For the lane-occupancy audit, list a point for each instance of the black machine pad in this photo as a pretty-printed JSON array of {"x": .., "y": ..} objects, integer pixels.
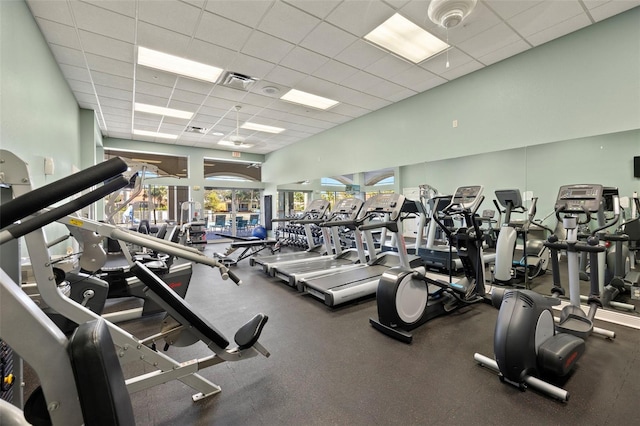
[
  {"x": 101, "y": 387},
  {"x": 249, "y": 333},
  {"x": 559, "y": 353},
  {"x": 179, "y": 305}
]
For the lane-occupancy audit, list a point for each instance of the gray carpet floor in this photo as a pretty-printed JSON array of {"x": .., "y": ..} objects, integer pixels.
[{"x": 330, "y": 367}]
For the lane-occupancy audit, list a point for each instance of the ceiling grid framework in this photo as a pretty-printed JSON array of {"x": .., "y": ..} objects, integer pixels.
[{"x": 315, "y": 46}]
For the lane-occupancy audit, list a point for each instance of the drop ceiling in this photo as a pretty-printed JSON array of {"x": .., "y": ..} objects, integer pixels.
[{"x": 314, "y": 46}]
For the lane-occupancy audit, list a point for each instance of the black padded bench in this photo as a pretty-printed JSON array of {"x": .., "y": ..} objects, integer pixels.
[{"x": 182, "y": 312}]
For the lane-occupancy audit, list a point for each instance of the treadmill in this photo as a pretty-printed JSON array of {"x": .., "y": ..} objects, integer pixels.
[
  {"x": 344, "y": 214},
  {"x": 381, "y": 211},
  {"x": 316, "y": 212}
]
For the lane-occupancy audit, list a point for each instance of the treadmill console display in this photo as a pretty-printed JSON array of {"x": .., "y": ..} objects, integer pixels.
[
  {"x": 579, "y": 198},
  {"x": 318, "y": 207},
  {"x": 467, "y": 196},
  {"x": 348, "y": 207},
  {"x": 385, "y": 203}
]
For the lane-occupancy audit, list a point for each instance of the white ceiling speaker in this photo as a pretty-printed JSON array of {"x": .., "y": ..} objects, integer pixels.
[{"x": 450, "y": 13}]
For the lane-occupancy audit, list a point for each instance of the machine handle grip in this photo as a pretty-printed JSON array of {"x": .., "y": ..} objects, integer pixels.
[
  {"x": 575, "y": 247},
  {"x": 233, "y": 277},
  {"x": 31, "y": 202},
  {"x": 17, "y": 230},
  {"x": 338, "y": 223},
  {"x": 391, "y": 225}
]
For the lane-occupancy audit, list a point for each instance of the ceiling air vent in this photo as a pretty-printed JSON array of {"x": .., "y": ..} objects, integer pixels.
[
  {"x": 194, "y": 129},
  {"x": 238, "y": 81}
]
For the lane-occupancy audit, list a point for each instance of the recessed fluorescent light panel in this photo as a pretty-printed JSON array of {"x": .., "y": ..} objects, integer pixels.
[
  {"x": 177, "y": 65},
  {"x": 262, "y": 128},
  {"x": 154, "y": 134},
  {"x": 235, "y": 144},
  {"x": 402, "y": 37},
  {"x": 169, "y": 112},
  {"x": 304, "y": 98}
]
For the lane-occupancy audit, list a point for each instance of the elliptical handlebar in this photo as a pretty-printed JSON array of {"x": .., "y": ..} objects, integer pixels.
[{"x": 468, "y": 215}]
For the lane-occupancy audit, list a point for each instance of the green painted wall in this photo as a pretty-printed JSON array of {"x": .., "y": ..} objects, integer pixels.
[
  {"x": 39, "y": 117},
  {"x": 581, "y": 85}
]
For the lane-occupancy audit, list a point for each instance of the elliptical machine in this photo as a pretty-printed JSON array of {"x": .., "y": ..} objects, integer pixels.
[
  {"x": 407, "y": 299},
  {"x": 535, "y": 257},
  {"x": 527, "y": 343}
]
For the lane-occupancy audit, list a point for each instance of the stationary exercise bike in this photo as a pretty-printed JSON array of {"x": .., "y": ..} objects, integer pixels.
[
  {"x": 527, "y": 343},
  {"x": 407, "y": 299},
  {"x": 535, "y": 257}
]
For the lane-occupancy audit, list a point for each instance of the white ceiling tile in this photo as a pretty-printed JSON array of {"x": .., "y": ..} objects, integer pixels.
[
  {"x": 335, "y": 71},
  {"x": 210, "y": 54},
  {"x": 563, "y": 28},
  {"x": 227, "y": 93},
  {"x": 285, "y": 76},
  {"x": 416, "y": 12},
  {"x": 157, "y": 38},
  {"x": 118, "y": 112},
  {"x": 164, "y": 92},
  {"x": 362, "y": 81},
  {"x": 59, "y": 34},
  {"x": 102, "y": 21},
  {"x": 220, "y": 31},
  {"x": 175, "y": 16},
  {"x": 196, "y": 86},
  {"x": 544, "y": 15},
  {"x": 303, "y": 60},
  {"x": 360, "y": 17},
  {"x": 328, "y": 40},
  {"x": 388, "y": 66},
  {"x": 52, "y": 11},
  {"x": 110, "y": 66},
  {"x": 157, "y": 77},
  {"x": 318, "y": 8},
  {"x": 389, "y": 91},
  {"x": 504, "y": 52},
  {"x": 111, "y": 92},
  {"x": 250, "y": 66},
  {"x": 493, "y": 39},
  {"x": 438, "y": 64},
  {"x": 267, "y": 47},
  {"x": 361, "y": 99},
  {"x": 360, "y": 54},
  {"x": 287, "y": 23},
  {"x": 206, "y": 111},
  {"x": 399, "y": 94},
  {"x": 260, "y": 101},
  {"x": 217, "y": 103},
  {"x": 190, "y": 97},
  {"x": 75, "y": 73},
  {"x": 81, "y": 86},
  {"x": 349, "y": 110},
  {"x": 106, "y": 46},
  {"x": 112, "y": 80},
  {"x": 508, "y": 9},
  {"x": 127, "y": 8},
  {"x": 602, "y": 11},
  {"x": 144, "y": 98},
  {"x": 116, "y": 103},
  {"x": 247, "y": 12},
  {"x": 65, "y": 55},
  {"x": 413, "y": 78},
  {"x": 463, "y": 69},
  {"x": 85, "y": 97}
]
